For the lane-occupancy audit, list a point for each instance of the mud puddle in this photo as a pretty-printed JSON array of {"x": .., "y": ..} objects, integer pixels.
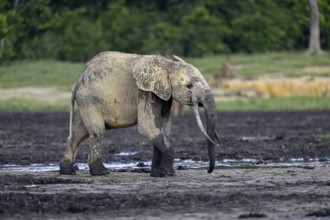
[
  {"x": 179, "y": 164},
  {"x": 264, "y": 170}
]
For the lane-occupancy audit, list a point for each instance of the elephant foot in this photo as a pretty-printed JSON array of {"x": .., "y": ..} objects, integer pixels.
[
  {"x": 168, "y": 171},
  {"x": 156, "y": 173},
  {"x": 67, "y": 167},
  {"x": 162, "y": 172},
  {"x": 96, "y": 168}
]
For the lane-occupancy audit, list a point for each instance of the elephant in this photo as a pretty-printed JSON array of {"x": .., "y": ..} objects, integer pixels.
[{"x": 117, "y": 90}]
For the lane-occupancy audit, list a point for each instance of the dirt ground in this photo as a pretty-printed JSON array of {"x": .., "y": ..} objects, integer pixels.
[{"x": 232, "y": 193}]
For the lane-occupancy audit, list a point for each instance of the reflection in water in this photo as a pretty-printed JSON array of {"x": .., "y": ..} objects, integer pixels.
[{"x": 246, "y": 163}]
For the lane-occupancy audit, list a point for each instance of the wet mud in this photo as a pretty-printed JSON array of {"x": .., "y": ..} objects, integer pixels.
[{"x": 228, "y": 193}]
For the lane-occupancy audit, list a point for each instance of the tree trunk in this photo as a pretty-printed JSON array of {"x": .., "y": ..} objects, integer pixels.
[
  {"x": 314, "y": 37},
  {"x": 2, "y": 45},
  {"x": 177, "y": 109}
]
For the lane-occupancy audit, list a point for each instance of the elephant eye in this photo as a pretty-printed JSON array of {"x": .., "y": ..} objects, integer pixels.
[{"x": 189, "y": 86}]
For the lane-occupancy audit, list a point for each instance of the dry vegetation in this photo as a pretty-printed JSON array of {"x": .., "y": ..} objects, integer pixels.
[{"x": 279, "y": 87}]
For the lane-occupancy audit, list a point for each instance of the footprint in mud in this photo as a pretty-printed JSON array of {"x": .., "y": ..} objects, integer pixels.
[
  {"x": 320, "y": 213},
  {"x": 31, "y": 180},
  {"x": 253, "y": 215}
]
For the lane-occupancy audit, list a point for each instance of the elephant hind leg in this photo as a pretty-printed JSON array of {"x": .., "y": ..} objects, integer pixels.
[
  {"x": 80, "y": 133},
  {"x": 94, "y": 123},
  {"x": 95, "y": 164}
]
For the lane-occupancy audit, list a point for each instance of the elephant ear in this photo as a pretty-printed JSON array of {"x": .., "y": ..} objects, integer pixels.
[{"x": 151, "y": 75}]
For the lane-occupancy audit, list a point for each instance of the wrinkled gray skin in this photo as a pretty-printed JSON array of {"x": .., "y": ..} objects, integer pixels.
[{"x": 117, "y": 90}]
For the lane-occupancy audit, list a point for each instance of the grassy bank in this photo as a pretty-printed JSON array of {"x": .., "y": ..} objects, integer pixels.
[
  {"x": 31, "y": 105},
  {"x": 287, "y": 64},
  {"x": 62, "y": 75},
  {"x": 39, "y": 73}
]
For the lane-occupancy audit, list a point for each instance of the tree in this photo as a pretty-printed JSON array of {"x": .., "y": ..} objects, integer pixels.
[
  {"x": 314, "y": 37},
  {"x": 163, "y": 39},
  {"x": 76, "y": 30},
  {"x": 3, "y": 32},
  {"x": 202, "y": 33}
]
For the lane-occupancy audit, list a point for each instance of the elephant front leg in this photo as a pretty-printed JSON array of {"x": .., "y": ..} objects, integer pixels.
[
  {"x": 156, "y": 161},
  {"x": 154, "y": 124},
  {"x": 163, "y": 158}
]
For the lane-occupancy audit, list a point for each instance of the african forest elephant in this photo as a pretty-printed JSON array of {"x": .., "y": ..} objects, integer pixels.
[{"x": 117, "y": 90}]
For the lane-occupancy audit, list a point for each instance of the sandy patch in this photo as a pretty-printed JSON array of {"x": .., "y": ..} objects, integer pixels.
[{"x": 50, "y": 94}]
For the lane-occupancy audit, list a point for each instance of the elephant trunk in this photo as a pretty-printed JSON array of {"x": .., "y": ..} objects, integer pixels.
[{"x": 207, "y": 100}]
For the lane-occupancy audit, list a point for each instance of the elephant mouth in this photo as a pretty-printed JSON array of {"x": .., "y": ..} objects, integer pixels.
[{"x": 192, "y": 100}]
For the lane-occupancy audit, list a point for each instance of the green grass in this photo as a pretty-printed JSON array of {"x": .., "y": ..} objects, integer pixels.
[
  {"x": 289, "y": 64},
  {"x": 48, "y": 73},
  {"x": 39, "y": 73},
  {"x": 64, "y": 74},
  {"x": 30, "y": 105},
  {"x": 324, "y": 136}
]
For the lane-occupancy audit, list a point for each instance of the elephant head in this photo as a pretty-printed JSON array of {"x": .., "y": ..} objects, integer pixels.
[{"x": 182, "y": 81}]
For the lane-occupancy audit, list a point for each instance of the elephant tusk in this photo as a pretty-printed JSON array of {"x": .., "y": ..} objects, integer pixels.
[
  {"x": 218, "y": 137},
  {"x": 200, "y": 124}
]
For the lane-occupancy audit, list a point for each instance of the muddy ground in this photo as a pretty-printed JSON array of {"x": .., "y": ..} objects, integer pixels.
[{"x": 237, "y": 192}]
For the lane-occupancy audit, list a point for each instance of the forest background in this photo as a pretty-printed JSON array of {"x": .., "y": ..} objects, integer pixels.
[
  {"x": 76, "y": 30},
  {"x": 258, "y": 49}
]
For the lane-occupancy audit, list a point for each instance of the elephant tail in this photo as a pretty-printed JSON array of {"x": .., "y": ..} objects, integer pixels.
[{"x": 73, "y": 98}]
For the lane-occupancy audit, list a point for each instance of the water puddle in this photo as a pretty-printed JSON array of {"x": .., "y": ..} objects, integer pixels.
[
  {"x": 127, "y": 153},
  {"x": 185, "y": 164}
]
